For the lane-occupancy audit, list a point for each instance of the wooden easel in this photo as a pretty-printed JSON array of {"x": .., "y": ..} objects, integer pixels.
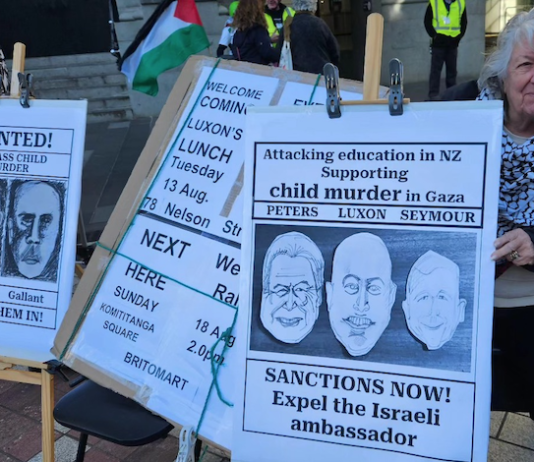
[
  {"x": 8, "y": 366},
  {"x": 46, "y": 380}
]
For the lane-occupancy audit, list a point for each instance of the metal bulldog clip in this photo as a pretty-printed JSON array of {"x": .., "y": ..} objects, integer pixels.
[
  {"x": 26, "y": 82},
  {"x": 187, "y": 445},
  {"x": 395, "y": 87},
  {"x": 331, "y": 78}
]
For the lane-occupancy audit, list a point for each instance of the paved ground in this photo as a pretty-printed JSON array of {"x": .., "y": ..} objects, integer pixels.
[
  {"x": 111, "y": 152},
  {"x": 512, "y": 434}
]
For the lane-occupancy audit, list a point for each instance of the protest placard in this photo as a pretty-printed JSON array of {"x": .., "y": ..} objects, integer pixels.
[
  {"x": 162, "y": 286},
  {"x": 365, "y": 323},
  {"x": 41, "y": 161}
]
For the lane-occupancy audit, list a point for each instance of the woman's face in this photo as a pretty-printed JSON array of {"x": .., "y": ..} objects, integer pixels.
[{"x": 519, "y": 82}]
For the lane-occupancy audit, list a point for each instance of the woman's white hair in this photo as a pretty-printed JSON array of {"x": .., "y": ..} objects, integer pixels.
[
  {"x": 520, "y": 29},
  {"x": 305, "y": 5}
]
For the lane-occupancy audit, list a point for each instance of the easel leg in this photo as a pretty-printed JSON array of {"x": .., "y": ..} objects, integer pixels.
[{"x": 47, "y": 406}]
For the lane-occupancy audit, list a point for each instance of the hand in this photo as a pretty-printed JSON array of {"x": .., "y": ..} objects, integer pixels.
[
  {"x": 274, "y": 38},
  {"x": 516, "y": 240}
]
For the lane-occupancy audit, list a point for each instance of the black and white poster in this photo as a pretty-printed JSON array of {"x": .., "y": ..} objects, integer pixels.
[
  {"x": 41, "y": 158},
  {"x": 367, "y": 313}
]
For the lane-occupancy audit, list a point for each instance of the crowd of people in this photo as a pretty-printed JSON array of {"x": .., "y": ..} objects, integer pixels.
[{"x": 256, "y": 31}]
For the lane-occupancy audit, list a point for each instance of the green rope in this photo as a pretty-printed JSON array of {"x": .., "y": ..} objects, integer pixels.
[
  {"x": 215, "y": 366},
  {"x": 203, "y": 453},
  {"x": 314, "y": 88},
  {"x": 133, "y": 260},
  {"x": 89, "y": 302}
]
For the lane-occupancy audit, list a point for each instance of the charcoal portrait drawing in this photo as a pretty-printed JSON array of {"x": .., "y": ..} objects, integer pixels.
[
  {"x": 293, "y": 277},
  {"x": 35, "y": 219},
  {"x": 361, "y": 293},
  {"x": 433, "y": 308}
]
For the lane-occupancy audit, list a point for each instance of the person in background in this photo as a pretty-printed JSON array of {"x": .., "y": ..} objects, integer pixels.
[
  {"x": 251, "y": 40},
  {"x": 445, "y": 23},
  {"x": 312, "y": 42},
  {"x": 228, "y": 31},
  {"x": 276, "y": 14},
  {"x": 508, "y": 75}
]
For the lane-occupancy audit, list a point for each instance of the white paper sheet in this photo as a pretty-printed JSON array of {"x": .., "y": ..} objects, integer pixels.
[
  {"x": 41, "y": 158},
  {"x": 396, "y": 364}
]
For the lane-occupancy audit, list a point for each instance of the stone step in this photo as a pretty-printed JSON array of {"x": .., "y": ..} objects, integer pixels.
[
  {"x": 52, "y": 62},
  {"x": 86, "y": 70},
  {"x": 110, "y": 116},
  {"x": 85, "y": 93},
  {"x": 108, "y": 103},
  {"x": 81, "y": 82},
  {"x": 93, "y": 77}
]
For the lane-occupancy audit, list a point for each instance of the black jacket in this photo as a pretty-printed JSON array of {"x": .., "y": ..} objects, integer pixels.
[
  {"x": 254, "y": 45},
  {"x": 312, "y": 44},
  {"x": 440, "y": 40}
]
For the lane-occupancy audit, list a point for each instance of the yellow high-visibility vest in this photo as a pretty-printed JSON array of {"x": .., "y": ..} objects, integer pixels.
[
  {"x": 447, "y": 22},
  {"x": 271, "y": 27}
]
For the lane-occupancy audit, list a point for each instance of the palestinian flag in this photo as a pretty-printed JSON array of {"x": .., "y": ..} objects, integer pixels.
[{"x": 172, "y": 34}]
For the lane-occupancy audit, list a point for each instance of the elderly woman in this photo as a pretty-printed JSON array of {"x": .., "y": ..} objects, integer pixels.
[
  {"x": 508, "y": 74},
  {"x": 312, "y": 43}
]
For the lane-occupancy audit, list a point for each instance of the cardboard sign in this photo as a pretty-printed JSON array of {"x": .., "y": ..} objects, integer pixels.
[
  {"x": 366, "y": 320},
  {"x": 151, "y": 315},
  {"x": 41, "y": 157}
]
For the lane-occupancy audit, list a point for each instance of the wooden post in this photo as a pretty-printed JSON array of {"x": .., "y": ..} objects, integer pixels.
[
  {"x": 19, "y": 59},
  {"x": 46, "y": 381},
  {"x": 373, "y": 64},
  {"x": 373, "y": 56},
  {"x": 47, "y": 408}
]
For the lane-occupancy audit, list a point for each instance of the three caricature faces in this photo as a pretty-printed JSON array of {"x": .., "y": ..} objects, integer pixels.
[{"x": 359, "y": 296}]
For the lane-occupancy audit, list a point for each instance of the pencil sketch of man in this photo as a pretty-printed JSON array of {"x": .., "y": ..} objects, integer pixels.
[
  {"x": 361, "y": 293},
  {"x": 34, "y": 222},
  {"x": 293, "y": 276},
  {"x": 433, "y": 308}
]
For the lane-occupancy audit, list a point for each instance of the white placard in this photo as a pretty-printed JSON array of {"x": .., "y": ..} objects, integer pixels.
[
  {"x": 365, "y": 324},
  {"x": 41, "y": 158}
]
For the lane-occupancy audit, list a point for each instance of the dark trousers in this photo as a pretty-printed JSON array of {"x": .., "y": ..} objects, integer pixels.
[
  {"x": 513, "y": 360},
  {"x": 440, "y": 56}
]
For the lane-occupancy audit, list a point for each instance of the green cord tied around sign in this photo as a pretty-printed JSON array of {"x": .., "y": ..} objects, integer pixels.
[
  {"x": 314, "y": 88},
  {"x": 215, "y": 366}
]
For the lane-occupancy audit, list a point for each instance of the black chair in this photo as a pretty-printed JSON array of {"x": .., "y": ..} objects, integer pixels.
[{"x": 98, "y": 411}]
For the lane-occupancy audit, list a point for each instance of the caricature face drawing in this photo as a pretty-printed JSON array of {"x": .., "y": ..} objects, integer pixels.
[
  {"x": 293, "y": 276},
  {"x": 432, "y": 307},
  {"x": 34, "y": 226},
  {"x": 361, "y": 293}
]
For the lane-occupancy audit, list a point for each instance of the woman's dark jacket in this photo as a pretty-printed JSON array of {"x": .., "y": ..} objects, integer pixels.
[
  {"x": 254, "y": 46},
  {"x": 312, "y": 44}
]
